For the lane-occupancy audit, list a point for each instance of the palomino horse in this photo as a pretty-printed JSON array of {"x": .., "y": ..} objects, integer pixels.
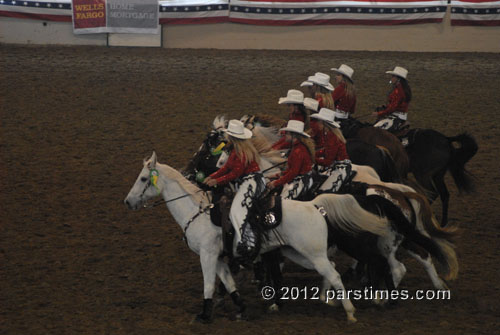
[{"x": 303, "y": 227}]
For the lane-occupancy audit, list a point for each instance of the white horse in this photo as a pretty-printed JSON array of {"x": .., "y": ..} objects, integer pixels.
[{"x": 303, "y": 226}]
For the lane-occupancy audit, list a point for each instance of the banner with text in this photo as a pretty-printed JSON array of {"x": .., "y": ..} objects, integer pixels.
[{"x": 115, "y": 16}]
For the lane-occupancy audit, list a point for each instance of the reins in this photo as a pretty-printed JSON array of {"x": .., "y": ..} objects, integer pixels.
[
  {"x": 272, "y": 167},
  {"x": 161, "y": 202}
]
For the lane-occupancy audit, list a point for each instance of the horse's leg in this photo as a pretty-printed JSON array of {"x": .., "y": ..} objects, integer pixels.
[
  {"x": 388, "y": 246},
  {"x": 327, "y": 269},
  {"x": 424, "y": 258},
  {"x": 208, "y": 261},
  {"x": 226, "y": 277},
  {"x": 272, "y": 266},
  {"x": 441, "y": 188},
  {"x": 296, "y": 257}
]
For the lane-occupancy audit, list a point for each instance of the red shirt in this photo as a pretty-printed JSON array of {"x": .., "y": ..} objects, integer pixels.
[
  {"x": 299, "y": 163},
  {"x": 233, "y": 169},
  {"x": 397, "y": 101},
  {"x": 281, "y": 144},
  {"x": 334, "y": 150},
  {"x": 342, "y": 101}
]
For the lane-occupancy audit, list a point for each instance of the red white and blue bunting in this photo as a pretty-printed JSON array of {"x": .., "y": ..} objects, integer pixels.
[
  {"x": 337, "y": 12},
  {"x": 285, "y": 12},
  {"x": 475, "y": 13}
]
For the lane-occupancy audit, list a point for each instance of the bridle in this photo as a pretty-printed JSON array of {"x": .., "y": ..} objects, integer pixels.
[{"x": 153, "y": 176}]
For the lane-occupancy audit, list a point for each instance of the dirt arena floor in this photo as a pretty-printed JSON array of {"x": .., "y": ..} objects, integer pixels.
[{"x": 76, "y": 123}]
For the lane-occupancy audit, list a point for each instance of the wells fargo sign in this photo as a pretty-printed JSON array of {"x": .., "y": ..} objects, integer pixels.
[{"x": 115, "y": 16}]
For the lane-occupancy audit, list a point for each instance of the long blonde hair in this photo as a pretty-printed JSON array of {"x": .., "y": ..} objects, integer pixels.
[
  {"x": 336, "y": 131},
  {"x": 349, "y": 87},
  {"x": 326, "y": 97},
  {"x": 245, "y": 149},
  {"x": 309, "y": 143}
]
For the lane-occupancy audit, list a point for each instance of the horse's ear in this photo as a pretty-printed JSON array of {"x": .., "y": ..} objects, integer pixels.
[{"x": 153, "y": 160}]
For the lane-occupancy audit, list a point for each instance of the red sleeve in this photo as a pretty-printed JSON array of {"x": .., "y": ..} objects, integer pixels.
[
  {"x": 341, "y": 151},
  {"x": 281, "y": 144},
  {"x": 329, "y": 152},
  {"x": 294, "y": 161},
  {"x": 235, "y": 167},
  {"x": 395, "y": 99},
  {"x": 338, "y": 92},
  {"x": 224, "y": 169}
]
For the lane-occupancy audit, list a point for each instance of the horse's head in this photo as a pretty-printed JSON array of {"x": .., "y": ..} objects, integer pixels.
[{"x": 147, "y": 185}]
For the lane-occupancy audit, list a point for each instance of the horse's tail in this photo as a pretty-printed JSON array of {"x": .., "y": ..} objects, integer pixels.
[
  {"x": 442, "y": 237},
  {"x": 460, "y": 156},
  {"x": 345, "y": 214},
  {"x": 390, "y": 166}
]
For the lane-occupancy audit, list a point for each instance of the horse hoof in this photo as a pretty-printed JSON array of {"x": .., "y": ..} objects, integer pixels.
[
  {"x": 241, "y": 317},
  {"x": 444, "y": 286},
  {"x": 274, "y": 308},
  {"x": 351, "y": 319}
]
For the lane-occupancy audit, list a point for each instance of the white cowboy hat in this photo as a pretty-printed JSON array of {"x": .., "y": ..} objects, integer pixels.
[
  {"x": 311, "y": 104},
  {"x": 292, "y": 97},
  {"x": 399, "y": 71},
  {"x": 345, "y": 70},
  {"x": 306, "y": 83},
  {"x": 295, "y": 126},
  {"x": 321, "y": 79},
  {"x": 326, "y": 115},
  {"x": 236, "y": 129}
]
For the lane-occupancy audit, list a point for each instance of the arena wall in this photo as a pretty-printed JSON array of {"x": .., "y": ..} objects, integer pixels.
[{"x": 433, "y": 37}]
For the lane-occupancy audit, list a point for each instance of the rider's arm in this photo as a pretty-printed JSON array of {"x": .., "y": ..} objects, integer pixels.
[
  {"x": 235, "y": 170},
  {"x": 293, "y": 169},
  {"x": 329, "y": 151},
  {"x": 395, "y": 99}
]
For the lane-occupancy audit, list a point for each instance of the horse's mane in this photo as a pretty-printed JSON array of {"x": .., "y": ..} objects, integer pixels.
[
  {"x": 263, "y": 146},
  {"x": 263, "y": 139},
  {"x": 219, "y": 122},
  {"x": 186, "y": 185},
  {"x": 267, "y": 120}
]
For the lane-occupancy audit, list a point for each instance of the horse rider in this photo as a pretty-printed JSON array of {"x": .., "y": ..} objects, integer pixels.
[
  {"x": 393, "y": 116},
  {"x": 294, "y": 101},
  {"x": 332, "y": 158},
  {"x": 243, "y": 161},
  {"x": 296, "y": 179},
  {"x": 323, "y": 89},
  {"x": 344, "y": 94}
]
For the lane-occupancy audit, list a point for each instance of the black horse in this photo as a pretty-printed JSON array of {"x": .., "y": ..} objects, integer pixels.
[
  {"x": 427, "y": 154},
  {"x": 362, "y": 153},
  {"x": 204, "y": 161},
  {"x": 431, "y": 154}
]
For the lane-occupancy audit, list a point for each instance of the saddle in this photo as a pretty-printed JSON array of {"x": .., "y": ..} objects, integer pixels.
[{"x": 403, "y": 130}]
